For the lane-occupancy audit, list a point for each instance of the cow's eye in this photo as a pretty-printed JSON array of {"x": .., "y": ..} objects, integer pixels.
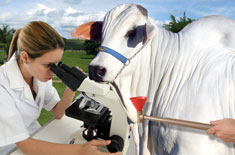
[{"x": 131, "y": 33}]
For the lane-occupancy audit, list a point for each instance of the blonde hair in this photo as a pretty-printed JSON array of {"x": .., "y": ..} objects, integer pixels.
[{"x": 35, "y": 38}]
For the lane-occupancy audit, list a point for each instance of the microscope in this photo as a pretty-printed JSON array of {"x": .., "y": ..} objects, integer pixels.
[{"x": 97, "y": 106}]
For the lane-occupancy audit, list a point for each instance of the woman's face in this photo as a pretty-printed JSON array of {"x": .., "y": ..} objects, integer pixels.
[{"x": 39, "y": 67}]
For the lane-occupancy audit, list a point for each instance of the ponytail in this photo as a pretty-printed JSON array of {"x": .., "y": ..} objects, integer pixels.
[
  {"x": 35, "y": 38},
  {"x": 13, "y": 47}
]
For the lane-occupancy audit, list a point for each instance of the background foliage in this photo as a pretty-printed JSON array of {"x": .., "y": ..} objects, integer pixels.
[
  {"x": 74, "y": 44},
  {"x": 6, "y": 34},
  {"x": 91, "y": 47},
  {"x": 177, "y": 25}
]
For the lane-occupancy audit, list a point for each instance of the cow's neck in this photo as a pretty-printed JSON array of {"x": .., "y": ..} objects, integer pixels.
[{"x": 153, "y": 77}]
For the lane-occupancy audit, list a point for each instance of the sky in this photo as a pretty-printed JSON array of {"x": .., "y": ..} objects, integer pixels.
[{"x": 66, "y": 15}]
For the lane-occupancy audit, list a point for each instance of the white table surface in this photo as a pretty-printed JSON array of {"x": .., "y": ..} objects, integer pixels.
[{"x": 62, "y": 131}]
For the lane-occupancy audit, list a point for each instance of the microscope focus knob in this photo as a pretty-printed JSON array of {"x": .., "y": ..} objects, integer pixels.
[
  {"x": 89, "y": 134},
  {"x": 116, "y": 145}
]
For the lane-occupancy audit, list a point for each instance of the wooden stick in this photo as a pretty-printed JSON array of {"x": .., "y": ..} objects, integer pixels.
[{"x": 184, "y": 123}]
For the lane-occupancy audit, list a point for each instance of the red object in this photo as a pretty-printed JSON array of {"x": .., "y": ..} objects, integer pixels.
[{"x": 138, "y": 102}]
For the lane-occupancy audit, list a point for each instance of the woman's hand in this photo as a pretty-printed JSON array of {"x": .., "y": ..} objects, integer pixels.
[
  {"x": 38, "y": 147},
  {"x": 223, "y": 129},
  {"x": 91, "y": 148}
]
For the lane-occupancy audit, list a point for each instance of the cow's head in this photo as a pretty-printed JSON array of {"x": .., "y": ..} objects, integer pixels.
[{"x": 124, "y": 32}]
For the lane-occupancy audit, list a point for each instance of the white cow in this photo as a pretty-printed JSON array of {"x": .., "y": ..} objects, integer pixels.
[{"x": 188, "y": 75}]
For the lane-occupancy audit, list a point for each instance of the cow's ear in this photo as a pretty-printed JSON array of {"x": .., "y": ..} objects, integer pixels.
[
  {"x": 149, "y": 31},
  {"x": 89, "y": 31}
]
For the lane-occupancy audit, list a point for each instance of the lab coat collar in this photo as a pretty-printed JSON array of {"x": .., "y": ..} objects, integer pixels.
[
  {"x": 14, "y": 74},
  {"x": 17, "y": 81}
]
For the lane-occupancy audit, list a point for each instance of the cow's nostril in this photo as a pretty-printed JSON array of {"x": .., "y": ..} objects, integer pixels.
[
  {"x": 96, "y": 73},
  {"x": 100, "y": 72}
]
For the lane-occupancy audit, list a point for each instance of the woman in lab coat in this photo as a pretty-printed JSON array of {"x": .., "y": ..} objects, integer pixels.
[{"x": 26, "y": 88}]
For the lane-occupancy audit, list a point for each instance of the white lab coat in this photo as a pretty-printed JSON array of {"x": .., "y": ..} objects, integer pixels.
[{"x": 18, "y": 109}]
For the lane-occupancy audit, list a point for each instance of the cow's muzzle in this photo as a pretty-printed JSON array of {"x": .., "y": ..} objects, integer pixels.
[{"x": 96, "y": 73}]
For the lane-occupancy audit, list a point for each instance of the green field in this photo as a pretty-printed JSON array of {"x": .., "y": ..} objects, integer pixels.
[{"x": 77, "y": 58}]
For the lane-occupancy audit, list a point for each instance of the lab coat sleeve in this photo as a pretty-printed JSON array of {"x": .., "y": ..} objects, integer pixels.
[
  {"x": 12, "y": 127},
  {"x": 51, "y": 97}
]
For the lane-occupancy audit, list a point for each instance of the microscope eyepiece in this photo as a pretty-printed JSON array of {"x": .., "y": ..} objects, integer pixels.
[
  {"x": 60, "y": 63},
  {"x": 72, "y": 77},
  {"x": 55, "y": 70}
]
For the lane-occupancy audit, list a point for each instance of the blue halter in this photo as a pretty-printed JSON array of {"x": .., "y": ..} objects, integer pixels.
[{"x": 117, "y": 55}]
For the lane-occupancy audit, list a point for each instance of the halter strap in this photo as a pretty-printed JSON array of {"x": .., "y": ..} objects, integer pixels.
[{"x": 117, "y": 55}]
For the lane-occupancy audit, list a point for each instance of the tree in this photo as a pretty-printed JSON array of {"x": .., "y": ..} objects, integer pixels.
[
  {"x": 91, "y": 47},
  {"x": 177, "y": 25},
  {"x": 74, "y": 44},
  {"x": 6, "y": 34}
]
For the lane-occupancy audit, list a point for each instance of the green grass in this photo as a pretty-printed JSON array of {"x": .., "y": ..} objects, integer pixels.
[
  {"x": 70, "y": 58},
  {"x": 2, "y": 55},
  {"x": 45, "y": 116},
  {"x": 75, "y": 58}
]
